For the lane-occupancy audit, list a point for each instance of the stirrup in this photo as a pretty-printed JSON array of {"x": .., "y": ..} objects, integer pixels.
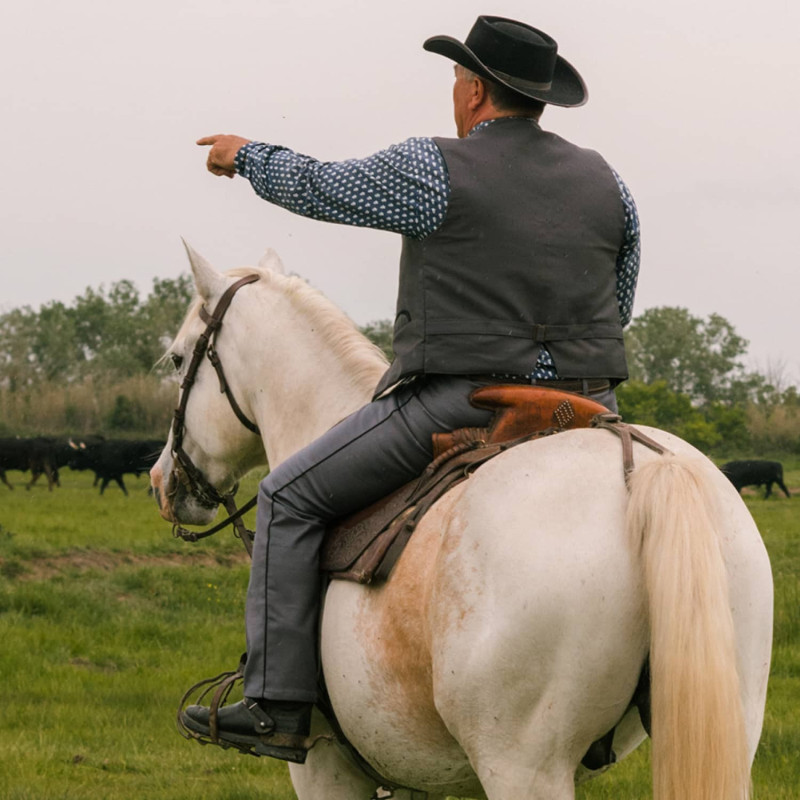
[
  {"x": 221, "y": 685},
  {"x": 285, "y": 746}
]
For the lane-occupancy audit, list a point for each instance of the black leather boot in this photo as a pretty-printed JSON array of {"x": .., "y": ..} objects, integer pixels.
[{"x": 276, "y": 728}]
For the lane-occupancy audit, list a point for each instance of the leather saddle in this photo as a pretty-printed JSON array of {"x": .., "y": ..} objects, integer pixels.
[{"x": 365, "y": 546}]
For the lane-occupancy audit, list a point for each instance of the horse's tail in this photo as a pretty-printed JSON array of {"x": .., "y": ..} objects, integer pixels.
[{"x": 699, "y": 741}]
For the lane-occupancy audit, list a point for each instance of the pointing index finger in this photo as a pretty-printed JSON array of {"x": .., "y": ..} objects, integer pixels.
[{"x": 208, "y": 140}]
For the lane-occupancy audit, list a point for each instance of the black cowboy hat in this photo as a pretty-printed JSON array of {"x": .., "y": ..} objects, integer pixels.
[{"x": 518, "y": 56}]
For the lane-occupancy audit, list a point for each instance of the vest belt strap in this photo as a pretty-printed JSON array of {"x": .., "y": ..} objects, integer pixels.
[{"x": 523, "y": 330}]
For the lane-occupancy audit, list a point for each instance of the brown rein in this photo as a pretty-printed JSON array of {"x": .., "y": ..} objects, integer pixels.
[{"x": 183, "y": 468}]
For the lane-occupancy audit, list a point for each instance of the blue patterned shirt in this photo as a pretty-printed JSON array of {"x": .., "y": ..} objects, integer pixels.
[{"x": 404, "y": 189}]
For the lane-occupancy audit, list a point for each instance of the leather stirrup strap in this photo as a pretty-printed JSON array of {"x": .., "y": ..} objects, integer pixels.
[{"x": 220, "y": 695}]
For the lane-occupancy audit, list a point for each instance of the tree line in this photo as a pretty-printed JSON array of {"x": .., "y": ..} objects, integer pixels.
[
  {"x": 113, "y": 334},
  {"x": 94, "y": 366},
  {"x": 687, "y": 375}
]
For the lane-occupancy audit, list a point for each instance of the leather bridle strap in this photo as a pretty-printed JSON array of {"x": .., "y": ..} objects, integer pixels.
[
  {"x": 184, "y": 469},
  {"x": 204, "y": 345},
  {"x": 234, "y": 518},
  {"x": 213, "y": 323}
]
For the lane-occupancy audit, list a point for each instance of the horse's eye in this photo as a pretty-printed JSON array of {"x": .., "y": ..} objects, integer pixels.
[{"x": 177, "y": 361}]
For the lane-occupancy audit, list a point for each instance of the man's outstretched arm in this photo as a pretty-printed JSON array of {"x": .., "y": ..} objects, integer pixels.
[{"x": 403, "y": 188}]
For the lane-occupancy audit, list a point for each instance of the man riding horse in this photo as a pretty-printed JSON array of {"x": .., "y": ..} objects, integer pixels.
[{"x": 519, "y": 265}]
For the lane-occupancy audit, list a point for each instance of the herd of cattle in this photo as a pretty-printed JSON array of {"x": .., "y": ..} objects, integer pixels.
[{"x": 109, "y": 459}]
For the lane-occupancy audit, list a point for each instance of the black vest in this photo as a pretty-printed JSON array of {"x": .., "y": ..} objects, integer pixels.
[{"x": 526, "y": 256}]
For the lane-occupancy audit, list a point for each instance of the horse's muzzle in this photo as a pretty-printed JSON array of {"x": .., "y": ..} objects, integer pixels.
[{"x": 175, "y": 502}]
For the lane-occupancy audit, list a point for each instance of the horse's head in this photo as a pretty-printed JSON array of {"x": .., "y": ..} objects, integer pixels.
[{"x": 214, "y": 438}]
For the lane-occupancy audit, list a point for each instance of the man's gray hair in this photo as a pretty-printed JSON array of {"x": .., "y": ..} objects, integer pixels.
[{"x": 466, "y": 74}]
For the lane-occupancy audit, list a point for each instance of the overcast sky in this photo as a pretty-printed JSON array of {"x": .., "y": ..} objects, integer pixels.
[{"x": 694, "y": 103}]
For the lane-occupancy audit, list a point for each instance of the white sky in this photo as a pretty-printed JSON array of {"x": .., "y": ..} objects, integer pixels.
[{"x": 694, "y": 102}]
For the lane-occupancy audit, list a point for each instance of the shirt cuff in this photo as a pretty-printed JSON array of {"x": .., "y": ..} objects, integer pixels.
[{"x": 240, "y": 159}]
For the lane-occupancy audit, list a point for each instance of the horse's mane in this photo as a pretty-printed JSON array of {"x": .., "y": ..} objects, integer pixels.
[{"x": 364, "y": 361}]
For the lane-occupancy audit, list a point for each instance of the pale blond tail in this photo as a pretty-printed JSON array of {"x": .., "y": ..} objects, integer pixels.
[{"x": 699, "y": 742}]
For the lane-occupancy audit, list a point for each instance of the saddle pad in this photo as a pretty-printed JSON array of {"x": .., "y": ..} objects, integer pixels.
[{"x": 364, "y": 546}]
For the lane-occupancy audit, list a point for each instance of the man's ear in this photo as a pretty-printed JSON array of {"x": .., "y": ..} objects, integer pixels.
[{"x": 479, "y": 95}]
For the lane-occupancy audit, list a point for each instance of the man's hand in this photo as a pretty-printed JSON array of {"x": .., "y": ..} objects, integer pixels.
[{"x": 224, "y": 148}]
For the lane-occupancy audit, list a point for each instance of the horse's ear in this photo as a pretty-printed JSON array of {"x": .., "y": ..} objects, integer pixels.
[
  {"x": 271, "y": 260},
  {"x": 208, "y": 282}
]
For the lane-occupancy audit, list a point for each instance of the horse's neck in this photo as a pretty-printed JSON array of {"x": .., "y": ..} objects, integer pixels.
[
  {"x": 302, "y": 384},
  {"x": 301, "y": 409}
]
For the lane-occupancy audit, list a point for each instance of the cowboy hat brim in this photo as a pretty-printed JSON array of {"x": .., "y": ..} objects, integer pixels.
[{"x": 567, "y": 88}]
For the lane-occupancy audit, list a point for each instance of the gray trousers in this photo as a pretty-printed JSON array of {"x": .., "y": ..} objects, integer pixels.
[{"x": 374, "y": 451}]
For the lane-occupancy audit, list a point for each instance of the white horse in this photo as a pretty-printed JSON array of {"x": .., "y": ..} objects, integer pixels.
[{"x": 512, "y": 632}]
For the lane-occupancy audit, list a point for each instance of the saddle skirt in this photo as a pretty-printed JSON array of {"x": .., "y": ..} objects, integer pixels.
[{"x": 365, "y": 546}]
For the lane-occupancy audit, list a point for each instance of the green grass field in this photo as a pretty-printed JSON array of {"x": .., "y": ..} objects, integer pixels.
[{"x": 105, "y": 620}]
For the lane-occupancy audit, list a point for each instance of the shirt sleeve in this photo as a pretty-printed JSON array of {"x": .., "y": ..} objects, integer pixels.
[
  {"x": 629, "y": 255},
  {"x": 403, "y": 189}
]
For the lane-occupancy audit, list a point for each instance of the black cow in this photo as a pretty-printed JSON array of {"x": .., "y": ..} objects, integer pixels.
[
  {"x": 38, "y": 454},
  {"x": 112, "y": 458},
  {"x": 50, "y": 454},
  {"x": 755, "y": 473}
]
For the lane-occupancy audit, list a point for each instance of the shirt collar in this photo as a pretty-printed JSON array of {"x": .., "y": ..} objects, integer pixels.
[{"x": 487, "y": 122}]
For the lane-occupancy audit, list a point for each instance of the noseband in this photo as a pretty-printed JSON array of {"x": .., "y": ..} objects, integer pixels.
[{"x": 184, "y": 470}]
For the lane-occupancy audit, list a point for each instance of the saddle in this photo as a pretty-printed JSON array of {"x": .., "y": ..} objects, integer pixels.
[{"x": 365, "y": 546}]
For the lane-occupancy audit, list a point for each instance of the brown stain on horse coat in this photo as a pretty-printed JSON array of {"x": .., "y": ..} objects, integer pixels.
[{"x": 396, "y": 619}]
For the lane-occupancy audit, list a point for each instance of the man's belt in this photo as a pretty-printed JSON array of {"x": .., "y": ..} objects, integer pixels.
[
  {"x": 581, "y": 386},
  {"x": 586, "y": 386}
]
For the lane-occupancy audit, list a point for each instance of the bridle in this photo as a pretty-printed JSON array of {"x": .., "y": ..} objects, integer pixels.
[{"x": 184, "y": 470}]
